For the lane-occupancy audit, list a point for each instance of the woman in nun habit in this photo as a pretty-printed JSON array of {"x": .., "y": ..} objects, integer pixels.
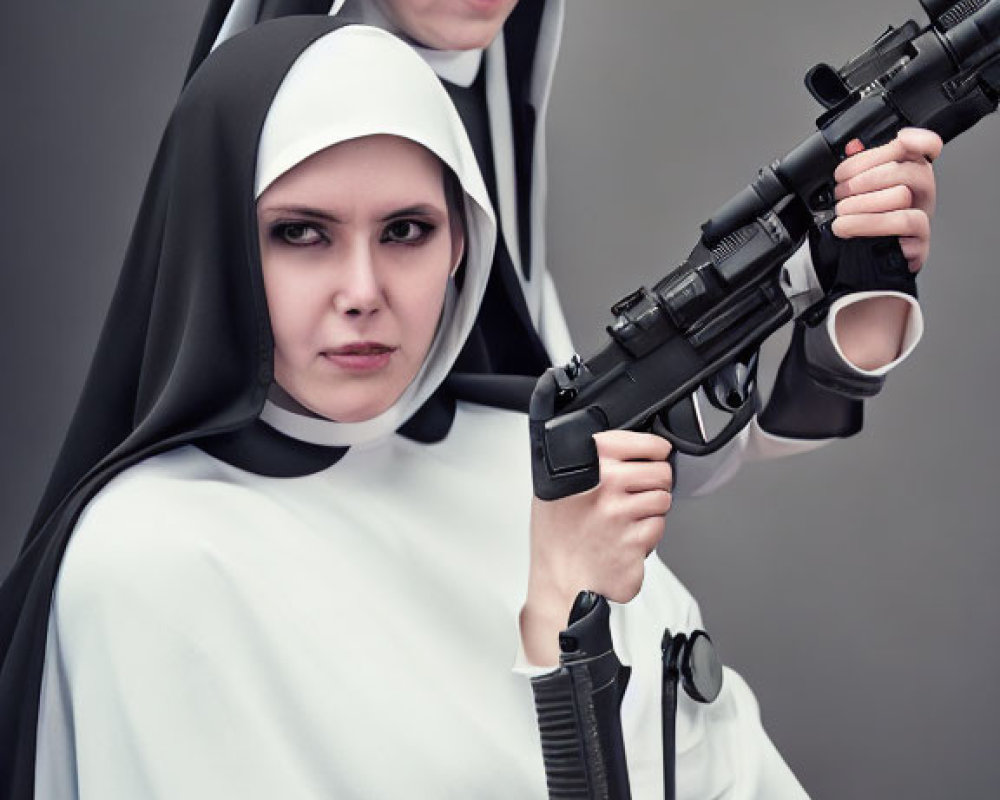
[
  {"x": 280, "y": 555},
  {"x": 497, "y": 61}
]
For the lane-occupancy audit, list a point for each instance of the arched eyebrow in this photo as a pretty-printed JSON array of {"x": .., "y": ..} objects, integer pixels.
[
  {"x": 418, "y": 210},
  {"x": 302, "y": 211}
]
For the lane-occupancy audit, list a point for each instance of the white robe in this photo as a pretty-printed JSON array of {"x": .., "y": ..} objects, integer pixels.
[{"x": 348, "y": 634}]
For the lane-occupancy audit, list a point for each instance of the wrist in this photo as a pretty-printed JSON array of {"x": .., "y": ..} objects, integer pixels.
[{"x": 543, "y": 616}]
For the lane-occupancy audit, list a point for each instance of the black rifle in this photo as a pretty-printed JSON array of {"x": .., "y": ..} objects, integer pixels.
[
  {"x": 716, "y": 309},
  {"x": 713, "y": 312}
]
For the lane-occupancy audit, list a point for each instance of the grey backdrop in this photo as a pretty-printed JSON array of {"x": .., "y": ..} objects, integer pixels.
[{"x": 856, "y": 588}]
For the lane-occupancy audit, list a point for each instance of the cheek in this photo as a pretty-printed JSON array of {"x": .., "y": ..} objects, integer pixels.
[
  {"x": 290, "y": 305},
  {"x": 420, "y": 300}
]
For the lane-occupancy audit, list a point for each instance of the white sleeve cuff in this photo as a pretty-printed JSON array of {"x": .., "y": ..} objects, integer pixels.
[
  {"x": 764, "y": 445},
  {"x": 522, "y": 666},
  {"x": 823, "y": 349}
]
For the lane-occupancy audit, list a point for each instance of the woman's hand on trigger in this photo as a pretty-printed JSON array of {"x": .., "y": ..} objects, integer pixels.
[
  {"x": 596, "y": 540},
  {"x": 890, "y": 191}
]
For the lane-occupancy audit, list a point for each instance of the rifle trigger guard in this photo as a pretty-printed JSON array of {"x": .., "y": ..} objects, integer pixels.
[{"x": 739, "y": 420}]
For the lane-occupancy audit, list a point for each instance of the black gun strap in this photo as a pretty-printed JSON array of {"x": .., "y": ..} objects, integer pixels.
[{"x": 669, "y": 721}]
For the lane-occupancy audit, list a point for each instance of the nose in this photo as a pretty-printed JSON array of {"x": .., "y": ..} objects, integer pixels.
[{"x": 359, "y": 291}]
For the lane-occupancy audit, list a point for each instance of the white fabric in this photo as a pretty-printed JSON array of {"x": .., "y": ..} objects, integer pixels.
[
  {"x": 552, "y": 326},
  {"x": 502, "y": 139},
  {"x": 799, "y": 281},
  {"x": 375, "y": 84},
  {"x": 455, "y": 66},
  {"x": 549, "y": 38},
  {"x": 350, "y": 634}
]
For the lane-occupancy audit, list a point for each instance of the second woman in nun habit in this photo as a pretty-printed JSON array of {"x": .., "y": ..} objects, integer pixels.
[{"x": 279, "y": 557}]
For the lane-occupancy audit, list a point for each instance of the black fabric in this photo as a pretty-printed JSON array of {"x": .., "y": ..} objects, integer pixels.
[
  {"x": 215, "y": 16},
  {"x": 510, "y": 392},
  {"x": 799, "y": 408},
  {"x": 186, "y": 350},
  {"x": 260, "y": 449},
  {"x": 521, "y": 46},
  {"x": 432, "y": 421},
  {"x": 504, "y": 332},
  {"x": 846, "y": 266},
  {"x": 274, "y": 9}
]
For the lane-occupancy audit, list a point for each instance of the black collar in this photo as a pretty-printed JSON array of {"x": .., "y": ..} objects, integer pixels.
[{"x": 261, "y": 449}]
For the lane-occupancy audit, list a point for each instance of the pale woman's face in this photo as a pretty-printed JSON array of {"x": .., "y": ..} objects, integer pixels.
[
  {"x": 449, "y": 24},
  {"x": 357, "y": 246}
]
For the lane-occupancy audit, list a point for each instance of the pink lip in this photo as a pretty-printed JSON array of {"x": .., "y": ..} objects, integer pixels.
[
  {"x": 360, "y": 356},
  {"x": 486, "y": 5}
]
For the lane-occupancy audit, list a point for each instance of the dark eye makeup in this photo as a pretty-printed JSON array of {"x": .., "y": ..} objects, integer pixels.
[
  {"x": 297, "y": 234},
  {"x": 301, "y": 233},
  {"x": 407, "y": 231}
]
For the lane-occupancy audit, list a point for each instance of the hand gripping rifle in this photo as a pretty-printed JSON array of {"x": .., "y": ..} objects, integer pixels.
[
  {"x": 715, "y": 310},
  {"x": 702, "y": 323}
]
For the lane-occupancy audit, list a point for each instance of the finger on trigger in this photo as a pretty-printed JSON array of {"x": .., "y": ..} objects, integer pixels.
[
  {"x": 646, "y": 476},
  {"x": 885, "y": 176},
  {"x": 868, "y": 158},
  {"x": 892, "y": 198}
]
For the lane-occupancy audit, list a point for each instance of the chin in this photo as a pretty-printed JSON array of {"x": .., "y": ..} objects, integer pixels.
[
  {"x": 360, "y": 406},
  {"x": 470, "y": 41},
  {"x": 467, "y": 36},
  {"x": 361, "y": 412}
]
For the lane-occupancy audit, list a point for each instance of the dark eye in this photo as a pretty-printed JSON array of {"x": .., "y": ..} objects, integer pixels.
[
  {"x": 406, "y": 231},
  {"x": 297, "y": 234}
]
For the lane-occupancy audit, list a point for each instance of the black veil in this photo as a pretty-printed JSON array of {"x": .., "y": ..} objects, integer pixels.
[{"x": 172, "y": 364}]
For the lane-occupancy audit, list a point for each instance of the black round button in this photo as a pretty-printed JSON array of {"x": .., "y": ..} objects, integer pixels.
[{"x": 701, "y": 669}]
